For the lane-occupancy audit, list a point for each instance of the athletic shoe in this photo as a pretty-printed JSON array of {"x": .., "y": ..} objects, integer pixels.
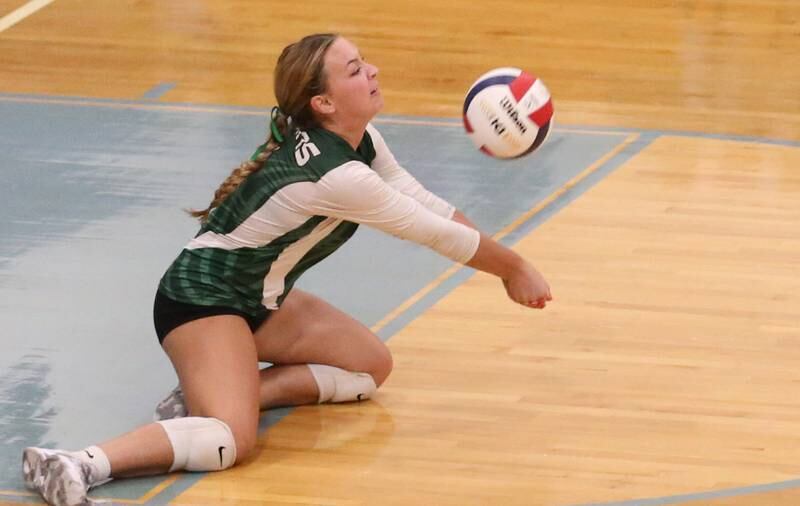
[{"x": 173, "y": 406}]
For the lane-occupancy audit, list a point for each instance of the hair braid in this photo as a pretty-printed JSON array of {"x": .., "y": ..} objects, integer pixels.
[{"x": 299, "y": 76}]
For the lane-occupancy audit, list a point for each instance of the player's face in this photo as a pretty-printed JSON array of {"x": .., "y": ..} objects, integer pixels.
[{"x": 352, "y": 83}]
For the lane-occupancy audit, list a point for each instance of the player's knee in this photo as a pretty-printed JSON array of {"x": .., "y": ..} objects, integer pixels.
[
  {"x": 246, "y": 440},
  {"x": 244, "y": 430},
  {"x": 200, "y": 444},
  {"x": 339, "y": 385}
]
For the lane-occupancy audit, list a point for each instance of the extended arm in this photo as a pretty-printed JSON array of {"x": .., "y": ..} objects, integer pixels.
[
  {"x": 356, "y": 193},
  {"x": 523, "y": 283}
]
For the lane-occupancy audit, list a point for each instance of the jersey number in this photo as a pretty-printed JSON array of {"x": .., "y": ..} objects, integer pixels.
[{"x": 305, "y": 149}]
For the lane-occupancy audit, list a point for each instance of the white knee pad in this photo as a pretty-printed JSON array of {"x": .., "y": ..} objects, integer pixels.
[
  {"x": 338, "y": 385},
  {"x": 200, "y": 444}
]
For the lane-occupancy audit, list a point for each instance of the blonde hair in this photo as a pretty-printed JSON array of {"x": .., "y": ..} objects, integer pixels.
[{"x": 299, "y": 76}]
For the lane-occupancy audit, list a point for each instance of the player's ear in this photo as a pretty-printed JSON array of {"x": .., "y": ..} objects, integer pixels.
[{"x": 322, "y": 104}]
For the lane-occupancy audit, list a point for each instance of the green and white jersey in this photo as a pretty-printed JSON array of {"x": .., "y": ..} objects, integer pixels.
[{"x": 305, "y": 202}]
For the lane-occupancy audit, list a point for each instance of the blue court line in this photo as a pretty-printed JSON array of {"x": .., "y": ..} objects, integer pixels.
[
  {"x": 79, "y": 101},
  {"x": 647, "y": 137},
  {"x": 699, "y": 135},
  {"x": 235, "y": 109},
  {"x": 21, "y": 499},
  {"x": 698, "y": 496},
  {"x": 158, "y": 91}
]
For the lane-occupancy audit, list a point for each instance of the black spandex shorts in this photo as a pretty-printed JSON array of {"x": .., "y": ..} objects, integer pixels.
[{"x": 169, "y": 314}]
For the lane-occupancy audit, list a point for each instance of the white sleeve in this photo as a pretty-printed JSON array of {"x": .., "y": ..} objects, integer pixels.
[
  {"x": 354, "y": 192},
  {"x": 398, "y": 178}
]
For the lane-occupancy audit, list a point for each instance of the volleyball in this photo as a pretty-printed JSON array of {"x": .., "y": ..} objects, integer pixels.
[{"x": 508, "y": 113}]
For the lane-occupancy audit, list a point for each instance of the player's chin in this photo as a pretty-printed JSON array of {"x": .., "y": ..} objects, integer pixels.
[{"x": 371, "y": 111}]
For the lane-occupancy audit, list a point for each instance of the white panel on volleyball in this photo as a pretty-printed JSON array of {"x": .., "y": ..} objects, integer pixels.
[{"x": 536, "y": 97}]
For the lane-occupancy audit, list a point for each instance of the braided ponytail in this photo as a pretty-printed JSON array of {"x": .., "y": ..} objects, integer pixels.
[
  {"x": 299, "y": 76},
  {"x": 279, "y": 127}
]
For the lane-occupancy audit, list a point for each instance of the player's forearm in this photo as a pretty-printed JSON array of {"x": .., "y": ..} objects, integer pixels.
[
  {"x": 491, "y": 256},
  {"x": 494, "y": 258}
]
